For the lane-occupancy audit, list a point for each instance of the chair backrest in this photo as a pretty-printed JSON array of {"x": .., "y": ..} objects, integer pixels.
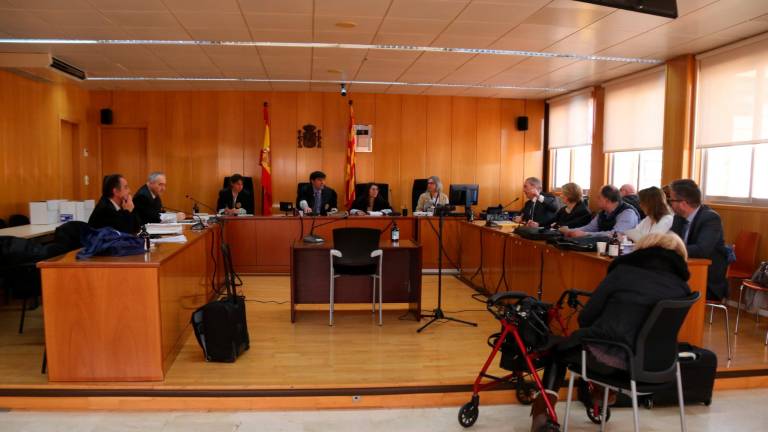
[
  {"x": 18, "y": 220},
  {"x": 356, "y": 244},
  {"x": 656, "y": 345},
  {"x": 746, "y": 251},
  {"x": 361, "y": 189},
  {"x": 247, "y": 184},
  {"x": 68, "y": 235},
  {"x": 301, "y": 187},
  {"x": 419, "y": 187}
]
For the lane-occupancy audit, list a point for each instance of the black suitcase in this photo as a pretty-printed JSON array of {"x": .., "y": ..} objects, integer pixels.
[
  {"x": 221, "y": 329},
  {"x": 697, "y": 370},
  {"x": 220, "y": 326}
]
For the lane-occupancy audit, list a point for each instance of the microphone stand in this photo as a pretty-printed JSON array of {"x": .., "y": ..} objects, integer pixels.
[
  {"x": 437, "y": 313},
  {"x": 312, "y": 238}
]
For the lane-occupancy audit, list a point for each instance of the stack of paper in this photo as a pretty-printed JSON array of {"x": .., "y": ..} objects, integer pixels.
[
  {"x": 173, "y": 228},
  {"x": 181, "y": 238}
]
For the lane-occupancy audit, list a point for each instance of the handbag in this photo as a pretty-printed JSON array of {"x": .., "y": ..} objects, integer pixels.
[
  {"x": 760, "y": 276},
  {"x": 753, "y": 299}
]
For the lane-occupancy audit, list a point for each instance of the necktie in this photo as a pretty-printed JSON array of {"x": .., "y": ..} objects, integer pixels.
[
  {"x": 686, "y": 230},
  {"x": 316, "y": 207}
]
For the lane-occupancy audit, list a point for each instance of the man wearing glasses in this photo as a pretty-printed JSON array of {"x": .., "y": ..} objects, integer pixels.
[{"x": 701, "y": 229}]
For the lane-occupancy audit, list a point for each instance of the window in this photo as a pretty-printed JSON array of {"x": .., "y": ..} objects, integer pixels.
[
  {"x": 572, "y": 165},
  {"x": 634, "y": 125},
  {"x": 732, "y": 123},
  {"x": 641, "y": 169},
  {"x": 570, "y": 139}
]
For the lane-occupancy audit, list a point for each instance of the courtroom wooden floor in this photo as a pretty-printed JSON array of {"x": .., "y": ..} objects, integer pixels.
[{"x": 355, "y": 353}]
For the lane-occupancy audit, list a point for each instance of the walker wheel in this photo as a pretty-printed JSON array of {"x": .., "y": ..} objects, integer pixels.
[
  {"x": 595, "y": 414},
  {"x": 549, "y": 427},
  {"x": 525, "y": 391},
  {"x": 468, "y": 414},
  {"x": 648, "y": 403}
]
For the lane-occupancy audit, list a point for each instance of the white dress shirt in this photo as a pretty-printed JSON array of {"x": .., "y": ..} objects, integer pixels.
[{"x": 647, "y": 226}]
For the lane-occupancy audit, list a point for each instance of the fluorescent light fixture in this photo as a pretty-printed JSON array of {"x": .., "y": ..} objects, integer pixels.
[
  {"x": 299, "y": 81},
  {"x": 480, "y": 51}
]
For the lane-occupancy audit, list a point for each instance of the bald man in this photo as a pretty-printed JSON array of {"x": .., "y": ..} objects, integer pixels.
[{"x": 629, "y": 196}]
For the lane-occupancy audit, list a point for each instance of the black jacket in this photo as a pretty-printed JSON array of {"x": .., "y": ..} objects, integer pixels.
[
  {"x": 379, "y": 204},
  {"x": 635, "y": 282},
  {"x": 328, "y": 198},
  {"x": 705, "y": 240},
  {"x": 244, "y": 198},
  {"x": 579, "y": 216},
  {"x": 105, "y": 215},
  {"x": 542, "y": 212},
  {"x": 634, "y": 201},
  {"x": 147, "y": 208}
]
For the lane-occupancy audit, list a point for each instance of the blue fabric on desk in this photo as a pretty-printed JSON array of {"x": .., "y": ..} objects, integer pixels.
[{"x": 108, "y": 242}]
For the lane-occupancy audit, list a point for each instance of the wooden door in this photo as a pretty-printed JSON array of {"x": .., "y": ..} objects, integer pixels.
[
  {"x": 69, "y": 158},
  {"x": 124, "y": 151}
]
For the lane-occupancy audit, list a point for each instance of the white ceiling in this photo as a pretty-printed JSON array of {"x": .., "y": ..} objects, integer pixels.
[{"x": 561, "y": 26}]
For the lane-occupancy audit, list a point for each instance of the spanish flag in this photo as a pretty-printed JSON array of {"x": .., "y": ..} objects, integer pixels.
[
  {"x": 349, "y": 172},
  {"x": 266, "y": 169}
]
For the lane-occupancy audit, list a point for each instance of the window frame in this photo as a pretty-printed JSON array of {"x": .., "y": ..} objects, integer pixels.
[
  {"x": 719, "y": 199},
  {"x": 571, "y": 164},
  {"x": 638, "y": 161}
]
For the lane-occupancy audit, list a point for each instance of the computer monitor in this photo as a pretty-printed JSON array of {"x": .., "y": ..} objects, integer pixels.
[{"x": 463, "y": 194}]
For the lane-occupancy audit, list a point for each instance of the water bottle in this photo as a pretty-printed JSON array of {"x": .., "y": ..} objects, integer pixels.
[
  {"x": 144, "y": 236},
  {"x": 395, "y": 233}
]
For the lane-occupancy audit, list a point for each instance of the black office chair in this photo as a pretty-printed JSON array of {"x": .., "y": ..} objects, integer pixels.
[
  {"x": 247, "y": 185},
  {"x": 301, "y": 187},
  {"x": 419, "y": 187},
  {"x": 361, "y": 189},
  {"x": 653, "y": 364},
  {"x": 356, "y": 252},
  {"x": 22, "y": 278},
  {"x": 3, "y": 224},
  {"x": 17, "y": 220}
]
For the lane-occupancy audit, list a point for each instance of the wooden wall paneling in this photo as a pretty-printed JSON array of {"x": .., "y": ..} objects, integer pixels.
[
  {"x": 125, "y": 150},
  {"x": 439, "y": 138},
  {"x": 413, "y": 148},
  {"x": 599, "y": 172},
  {"x": 534, "y": 144},
  {"x": 741, "y": 218},
  {"x": 365, "y": 113},
  {"x": 309, "y": 110},
  {"x": 463, "y": 140},
  {"x": 283, "y": 119},
  {"x": 488, "y": 167},
  {"x": 232, "y": 140},
  {"x": 678, "y": 118},
  {"x": 98, "y": 100},
  {"x": 386, "y": 153},
  {"x": 253, "y": 141},
  {"x": 512, "y": 157},
  {"x": 335, "y": 121},
  {"x": 68, "y": 160}
]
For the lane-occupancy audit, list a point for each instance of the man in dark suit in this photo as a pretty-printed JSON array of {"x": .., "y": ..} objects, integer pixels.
[
  {"x": 701, "y": 229},
  {"x": 539, "y": 209},
  {"x": 629, "y": 196},
  {"x": 317, "y": 199},
  {"x": 115, "y": 207},
  {"x": 234, "y": 200},
  {"x": 147, "y": 199}
]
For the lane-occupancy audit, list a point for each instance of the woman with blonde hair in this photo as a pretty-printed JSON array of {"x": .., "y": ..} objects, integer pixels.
[
  {"x": 657, "y": 270},
  {"x": 433, "y": 197},
  {"x": 574, "y": 213},
  {"x": 658, "y": 217}
]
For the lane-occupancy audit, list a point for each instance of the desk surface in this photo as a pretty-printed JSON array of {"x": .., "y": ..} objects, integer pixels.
[
  {"x": 402, "y": 244},
  {"x": 29, "y": 231},
  {"x": 162, "y": 253}
]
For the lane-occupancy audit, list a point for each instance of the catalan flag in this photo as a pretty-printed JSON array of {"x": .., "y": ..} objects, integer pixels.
[
  {"x": 349, "y": 171},
  {"x": 266, "y": 168}
]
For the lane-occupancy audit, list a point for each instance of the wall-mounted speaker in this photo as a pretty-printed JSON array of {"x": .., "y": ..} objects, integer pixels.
[
  {"x": 106, "y": 116},
  {"x": 522, "y": 123}
]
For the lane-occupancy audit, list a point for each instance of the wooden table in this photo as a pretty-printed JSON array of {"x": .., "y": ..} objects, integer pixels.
[
  {"x": 401, "y": 278},
  {"x": 30, "y": 231},
  {"x": 495, "y": 260},
  {"x": 124, "y": 318}
]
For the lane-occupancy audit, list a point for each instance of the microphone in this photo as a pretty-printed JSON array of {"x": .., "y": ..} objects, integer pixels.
[
  {"x": 510, "y": 203},
  {"x": 195, "y": 208},
  {"x": 312, "y": 238}
]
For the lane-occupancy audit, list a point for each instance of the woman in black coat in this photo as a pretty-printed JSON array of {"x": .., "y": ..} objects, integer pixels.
[
  {"x": 371, "y": 201},
  {"x": 655, "y": 271},
  {"x": 574, "y": 214}
]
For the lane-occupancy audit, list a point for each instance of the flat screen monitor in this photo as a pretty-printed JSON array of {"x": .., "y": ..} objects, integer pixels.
[
  {"x": 463, "y": 194},
  {"x": 664, "y": 8}
]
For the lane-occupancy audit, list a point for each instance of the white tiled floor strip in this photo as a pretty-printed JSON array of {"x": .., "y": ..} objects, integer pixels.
[{"x": 734, "y": 410}]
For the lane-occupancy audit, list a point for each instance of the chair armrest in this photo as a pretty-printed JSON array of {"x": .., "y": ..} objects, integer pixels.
[
  {"x": 377, "y": 253},
  {"x": 627, "y": 350},
  {"x": 336, "y": 253}
]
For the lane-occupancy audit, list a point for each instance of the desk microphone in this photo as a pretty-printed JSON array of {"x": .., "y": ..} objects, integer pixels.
[
  {"x": 195, "y": 208},
  {"x": 312, "y": 238}
]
